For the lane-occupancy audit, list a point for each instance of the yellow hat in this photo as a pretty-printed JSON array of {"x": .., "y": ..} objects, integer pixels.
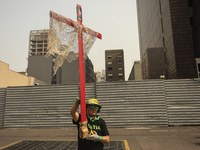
[{"x": 93, "y": 102}]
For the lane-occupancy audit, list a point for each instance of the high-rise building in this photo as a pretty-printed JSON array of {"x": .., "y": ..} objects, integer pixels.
[
  {"x": 173, "y": 25},
  {"x": 41, "y": 67},
  {"x": 154, "y": 63},
  {"x": 38, "y": 42},
  {"x": 114, "y": 64}
]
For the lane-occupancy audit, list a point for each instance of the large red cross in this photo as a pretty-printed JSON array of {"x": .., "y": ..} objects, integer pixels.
[{"x": 81, "y": 29}]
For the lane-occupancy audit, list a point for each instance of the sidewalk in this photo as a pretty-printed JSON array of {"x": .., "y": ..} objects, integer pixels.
[{"x": 149, "y": 138}]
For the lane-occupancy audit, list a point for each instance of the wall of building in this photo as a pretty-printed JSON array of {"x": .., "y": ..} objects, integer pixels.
[
  {"x": 40, "y": 67},
  {"x": 181, "y": 14},
  {"x": 155, "y": 63},
  {"x": 167, "y": 23},
  {"x": 198, "y": 66},
  {"x": 100, "y": 75},
  {"x": 132, "y": 74},
  {"x": 168, "y": 39},
  {"x": 195, "y": 4},
  {"x": 136, "y": 72},
  {"x": 38, "y": 42},
  {"x": 70, "y": 72},
  {"x": 90, "y": 75},
  {"x": 150, "y": 28},
  {"x": 12, "y": 78}
]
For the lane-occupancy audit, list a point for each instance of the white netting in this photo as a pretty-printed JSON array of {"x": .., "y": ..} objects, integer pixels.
[{"x": 63, "y": 42}]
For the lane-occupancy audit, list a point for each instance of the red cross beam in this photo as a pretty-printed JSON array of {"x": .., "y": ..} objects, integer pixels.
[{"x": 81, "y": 28}]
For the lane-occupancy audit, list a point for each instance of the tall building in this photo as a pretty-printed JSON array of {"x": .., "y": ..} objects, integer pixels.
[
  {"x": 38, "y": 42},
  {"x": 154, "y": 63},
  {"x": 173, "y": 25},
  {"x": 136, "y": 71},
  {"x": 114, "y": 64},
  {"x": 41, "y": 67}
]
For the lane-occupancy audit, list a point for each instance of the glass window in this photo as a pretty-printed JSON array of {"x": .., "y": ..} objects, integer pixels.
[
  {"x": 110, "y": 75},
  {"x": 110, "y": 63},
  {"x": 109, "y": 68},
  {"x": 119, "y": 62},
  {"x": 120, "y": 74},
  {"x": 109, "y": 56},
  {"x": 119, "y": 56}
]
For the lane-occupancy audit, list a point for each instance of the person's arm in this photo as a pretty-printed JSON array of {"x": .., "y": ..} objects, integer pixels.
[
  {"x": 74, "y": 109},
  {"x": 106, "y": 139}
]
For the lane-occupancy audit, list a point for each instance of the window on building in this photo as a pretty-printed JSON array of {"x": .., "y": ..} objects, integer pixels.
[
  {"x": 110, "y": 75},
  {"x": 110, "y": 63},
  {"x": 109, "y": 56},
  {"x": 120, "y": 68},
  {"x": 119, "y": 56},
  {"x": 120, "y": 74},
  {"x": 119, "y": 62},
  {"x": 109, "y": 68}
]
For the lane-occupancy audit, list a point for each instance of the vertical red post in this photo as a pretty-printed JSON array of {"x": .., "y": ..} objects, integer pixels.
[{"x": 81, "y": 65}]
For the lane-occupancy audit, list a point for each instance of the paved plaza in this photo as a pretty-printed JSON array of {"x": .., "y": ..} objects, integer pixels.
[{"x": 141, "y": 138}]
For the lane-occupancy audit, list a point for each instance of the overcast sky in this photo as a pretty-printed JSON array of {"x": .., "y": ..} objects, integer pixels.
[{"x": 116, "y": 20}]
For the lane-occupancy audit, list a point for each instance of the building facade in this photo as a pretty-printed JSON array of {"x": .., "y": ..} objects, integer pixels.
[
  {"x": 11, "y": 78},
  {"x": 38, "y": 42},
  {"x": 198, "y": 66},
  {"x": 100, "y": 75},
  {"x": 170, "y": 24},
  {"x": 114, "y": 64},
  {"x": 136, "y": 73},
  {"x": 154, "y": 63},
  {"x": 41, "y": 67}
]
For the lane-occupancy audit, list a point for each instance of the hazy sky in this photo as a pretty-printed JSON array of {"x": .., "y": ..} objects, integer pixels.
[{"x": 116, "y": 20}]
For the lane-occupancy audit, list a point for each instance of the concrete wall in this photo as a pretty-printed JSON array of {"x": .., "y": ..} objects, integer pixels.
[
  {"x": 40, "y": 67},
  {"x": 70, "y": 72}
]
